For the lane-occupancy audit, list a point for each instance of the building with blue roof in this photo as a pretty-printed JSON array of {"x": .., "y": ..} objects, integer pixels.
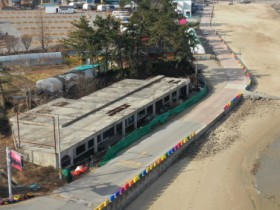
[{"x": 89, "y": 70}]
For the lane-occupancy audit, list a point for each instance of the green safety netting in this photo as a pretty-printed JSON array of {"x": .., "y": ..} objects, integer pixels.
[{"x": 137, "y": 134}]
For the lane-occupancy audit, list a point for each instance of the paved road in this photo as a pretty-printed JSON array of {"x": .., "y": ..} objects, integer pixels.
[{"x": 98, "y": 185}]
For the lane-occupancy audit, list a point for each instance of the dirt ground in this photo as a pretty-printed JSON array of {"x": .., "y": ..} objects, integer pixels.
[
  {"x": 46, "y": 177},
  {"x": 18, "y": 79},
  {"x": 219, "y": 171},
  {"x": 252, "y": 30}
]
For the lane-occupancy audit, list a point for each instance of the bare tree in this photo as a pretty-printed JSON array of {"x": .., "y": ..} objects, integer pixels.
[
  {"x": 2, "y": 96},
  {"x": 82, "y": 87},
  {"x": 43, "y": 28},
  {"x": 26, "y": 40},
  {"x": 86, "y": 85},
  {"x": 16, "y": 44},
  {"x": 11, "y": 43}
]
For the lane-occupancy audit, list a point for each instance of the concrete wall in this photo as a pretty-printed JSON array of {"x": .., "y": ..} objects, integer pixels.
[
  {"x": 40, "y": 157},
  {"x": 129, "y": 195}
]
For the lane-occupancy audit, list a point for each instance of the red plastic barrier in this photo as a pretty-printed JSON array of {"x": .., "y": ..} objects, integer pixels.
[{"x": 79, "y": 170}]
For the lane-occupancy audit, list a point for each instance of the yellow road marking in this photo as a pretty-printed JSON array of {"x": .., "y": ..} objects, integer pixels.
[
  {"x": 129, "y": 164},
  {"x": 132, "y": 163}
]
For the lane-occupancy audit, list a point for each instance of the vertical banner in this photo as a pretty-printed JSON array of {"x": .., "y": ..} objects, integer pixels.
[{"x": 16, "y": 160}]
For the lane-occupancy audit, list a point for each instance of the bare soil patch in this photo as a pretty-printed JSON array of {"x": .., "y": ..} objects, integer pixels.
[{"x": 46, "y": 177}]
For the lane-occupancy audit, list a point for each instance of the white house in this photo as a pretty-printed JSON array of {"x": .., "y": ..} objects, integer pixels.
[
  {"x": 183, "y": 7},
  {"x": 51, "y": 9},
  {"x": 59, "y": 9}
]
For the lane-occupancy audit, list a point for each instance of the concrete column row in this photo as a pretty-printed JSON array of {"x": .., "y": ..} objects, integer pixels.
[{"x": 135, "y": 123}]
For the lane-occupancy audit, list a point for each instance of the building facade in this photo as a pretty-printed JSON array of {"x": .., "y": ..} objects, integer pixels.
[{"x": 91, "y": 124}]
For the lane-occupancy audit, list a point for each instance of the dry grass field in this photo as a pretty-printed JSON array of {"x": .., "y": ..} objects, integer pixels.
[
  {"x": 56, "y": 26},
  {"x": 19, "y": 78}
]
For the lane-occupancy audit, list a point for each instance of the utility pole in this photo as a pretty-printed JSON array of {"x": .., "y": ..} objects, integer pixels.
[
  {"x": 59, "y": 148},
  {"x": 196, "y": 74},
  {"x": 9, "y": 172}
]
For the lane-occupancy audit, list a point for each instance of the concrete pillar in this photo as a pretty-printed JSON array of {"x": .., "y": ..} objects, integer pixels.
[
  {"x": 95, "y": 145},
  {"x": 115, "y": 129},
  {"x": 71, "y": 160},
  {"x": 187, "y": 89},
  {"x": 177, "y": 95},
  {"x": 154, "y": 108},
  {"x": 135, "y": 120},
  {"x": 123, "y": 128},
  {"x": 170, "y": 98}
]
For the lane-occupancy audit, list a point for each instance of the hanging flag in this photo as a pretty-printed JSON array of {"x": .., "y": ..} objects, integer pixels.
[{"x": 16, "y": 160}]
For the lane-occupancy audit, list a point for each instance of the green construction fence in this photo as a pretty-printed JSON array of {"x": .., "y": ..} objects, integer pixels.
[{"x": 137, "y": 134}]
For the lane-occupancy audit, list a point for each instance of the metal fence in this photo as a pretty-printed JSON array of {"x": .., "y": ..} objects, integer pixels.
[{"x": 32, "y": 59}]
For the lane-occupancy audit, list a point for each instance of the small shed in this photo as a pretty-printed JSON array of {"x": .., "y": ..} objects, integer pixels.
[
  {"x": 131, "y": 5},
  {"x": 88, "y": 71},
  {"x": 66, "y": 9}
]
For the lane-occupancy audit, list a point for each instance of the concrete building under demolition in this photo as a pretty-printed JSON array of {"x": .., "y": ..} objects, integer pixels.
[{"x": 74, "y": 128}]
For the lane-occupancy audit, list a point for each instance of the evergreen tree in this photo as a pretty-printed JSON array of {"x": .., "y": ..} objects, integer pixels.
[
  {"x": 153, "y": 25},
  {"x": 107, "y": 32},
  {"x": 81, "y": 39}
]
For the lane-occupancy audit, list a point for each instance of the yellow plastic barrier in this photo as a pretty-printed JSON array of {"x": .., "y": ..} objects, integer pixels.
[
  {"x": 148, "y": 169},
  {"x": 100, "y": 207},
  {"x": 193, "y": 134},
  {"x": 136, "y": 178},
  {"x": 155, "y": 164}
]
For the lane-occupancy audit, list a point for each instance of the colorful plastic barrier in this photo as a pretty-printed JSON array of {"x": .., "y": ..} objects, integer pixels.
[
  {"x": 145, "y": 172},
  {"x": 234, "y": 55},
  {"x": 16, "y": 198},
  {"x": 233, "y": 102}
]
